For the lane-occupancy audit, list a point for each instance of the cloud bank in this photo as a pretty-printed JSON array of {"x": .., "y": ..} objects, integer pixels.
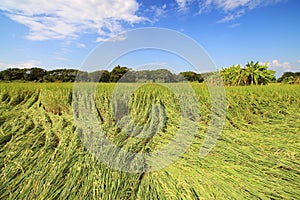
[
  {"x": 24, "y": 64},
  {"x": 60, "y": 19},
  {"x": 277, "y": 64},
  {"x": 232, "y": 9}
]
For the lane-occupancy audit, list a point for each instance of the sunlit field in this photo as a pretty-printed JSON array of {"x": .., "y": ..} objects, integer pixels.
[{"x": 256, "y": 156}]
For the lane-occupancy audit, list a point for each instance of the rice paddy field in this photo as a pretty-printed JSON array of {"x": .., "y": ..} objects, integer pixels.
[{"x": 257, "y": 155}]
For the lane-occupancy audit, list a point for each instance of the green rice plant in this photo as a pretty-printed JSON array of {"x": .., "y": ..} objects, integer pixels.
[{"x": 43, "y": 155}]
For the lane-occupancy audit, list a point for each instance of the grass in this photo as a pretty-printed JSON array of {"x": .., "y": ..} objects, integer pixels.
[{"x": 256, "y": 157}]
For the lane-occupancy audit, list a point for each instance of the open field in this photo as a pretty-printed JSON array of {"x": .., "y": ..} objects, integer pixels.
[{"x": 256, "y": 157}]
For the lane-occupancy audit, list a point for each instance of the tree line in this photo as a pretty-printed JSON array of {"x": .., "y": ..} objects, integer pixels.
[
  {"x": 290, "y": 78},
  {"x": 117, "y": 74},
  {"x": 251, "y": 74}
]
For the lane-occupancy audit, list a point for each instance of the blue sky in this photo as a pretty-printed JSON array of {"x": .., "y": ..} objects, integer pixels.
[{"x": 61, "y": 34}]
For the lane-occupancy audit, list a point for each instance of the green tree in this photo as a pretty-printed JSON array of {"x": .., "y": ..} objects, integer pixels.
[
  {"x": 105, "y": 76},
  {"x": 252, "y": 73},
  {"x": 191, "y": 76},
  {"x": 289, "y": 77},
  {"x": 12, "y": 74},
  {"x": 99, "y": 76},
  {"x": 35, "y": 74},
  {"x": 117, "y": 73},
  {"x": 259, "y": 74}
]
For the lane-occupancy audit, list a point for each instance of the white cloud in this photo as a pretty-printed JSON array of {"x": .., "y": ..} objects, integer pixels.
[
  {"x": 298, "y": 61},
  {"x": 80, "y": 45},
  {"x": 24, "y": 64},
  {"x": 156, "y": 12},
  {"x": 229, "y": 5},
  {"x": 160, "y": 11},
  {"x": 277, "y": 64},
  {"x": 231, "y": 17},
  {"x": 113, "y": 38},
  {"x": 232, "y": 9},
  {"x": 61, "y": 58},
  {"x": 234, "y": 25},
  {"x": 183, "y": 4},
  {"x": 59, "y": 19}
]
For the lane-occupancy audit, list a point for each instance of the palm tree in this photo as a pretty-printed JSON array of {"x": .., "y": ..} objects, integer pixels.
[
  {"x": 253, "y": 73},
  {"x": 259, "y": 74}
]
